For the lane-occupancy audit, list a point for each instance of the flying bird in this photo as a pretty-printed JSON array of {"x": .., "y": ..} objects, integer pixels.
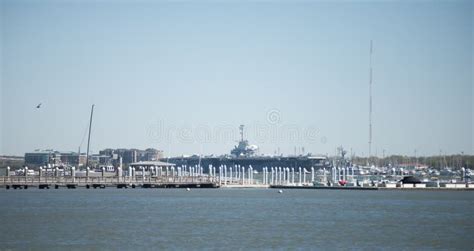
[{"x": 38, "y": 106}]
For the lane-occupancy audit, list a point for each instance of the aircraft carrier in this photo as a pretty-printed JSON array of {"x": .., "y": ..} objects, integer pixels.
[{"x": 246, "y": 155}]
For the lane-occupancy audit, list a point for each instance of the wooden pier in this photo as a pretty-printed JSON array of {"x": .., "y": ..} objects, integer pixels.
[{"x": 25, "y": 182}]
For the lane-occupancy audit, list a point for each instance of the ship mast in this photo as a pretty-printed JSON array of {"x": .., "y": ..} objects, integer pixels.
[
  {"x": 241, "y": 127},
  {"x": 89, "y": 139}
]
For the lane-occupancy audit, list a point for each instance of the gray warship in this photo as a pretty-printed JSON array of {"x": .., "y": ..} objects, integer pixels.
[{"x": 245, "y": 154}]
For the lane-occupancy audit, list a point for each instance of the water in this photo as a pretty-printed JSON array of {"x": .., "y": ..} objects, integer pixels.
[{"x": 235, "y": 219}]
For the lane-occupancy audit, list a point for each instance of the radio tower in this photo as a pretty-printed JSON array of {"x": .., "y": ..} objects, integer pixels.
[{"x": 370, "y": 103}]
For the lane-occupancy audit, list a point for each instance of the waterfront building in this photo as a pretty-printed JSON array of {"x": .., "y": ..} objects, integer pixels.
[
  {"x": 72, "y": 158},
  {"x": 39, "y": 157},
  {"x": 45, "y": 157},
  {"x": 152, "y": 154},
  {"x": 112, "y": 156}
]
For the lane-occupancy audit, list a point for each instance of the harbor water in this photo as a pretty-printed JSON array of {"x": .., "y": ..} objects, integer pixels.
[{"x": 176, "y": 219}]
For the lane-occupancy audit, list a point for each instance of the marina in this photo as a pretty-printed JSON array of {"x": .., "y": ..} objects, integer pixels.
[
  {"x": 304, "y": 172},
  {"x": 165, "y": 175},
  {"x": 254, "y": 125}
]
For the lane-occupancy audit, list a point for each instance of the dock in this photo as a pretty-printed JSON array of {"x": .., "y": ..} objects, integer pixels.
[
  {"x": 324, "y": 187},
  {"x": 375, "y": 188},
  {"x": 25, "y": 182}
]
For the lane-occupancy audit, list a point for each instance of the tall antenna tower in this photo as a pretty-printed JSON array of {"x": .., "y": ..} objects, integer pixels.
[{"x": 370, "y": 101}]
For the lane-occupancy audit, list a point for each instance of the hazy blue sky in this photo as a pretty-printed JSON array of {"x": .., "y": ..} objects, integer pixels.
[{"x": 198, "y": 69}]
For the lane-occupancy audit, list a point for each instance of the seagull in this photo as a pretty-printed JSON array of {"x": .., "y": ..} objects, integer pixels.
[{"x": 38, "y": 106}]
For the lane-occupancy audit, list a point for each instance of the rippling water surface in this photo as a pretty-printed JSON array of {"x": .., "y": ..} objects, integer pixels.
[{"x": 235, "y": 219}]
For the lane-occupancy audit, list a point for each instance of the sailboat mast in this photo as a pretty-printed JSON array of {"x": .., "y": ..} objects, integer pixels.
[
  {"x": 89, "y": 139},
  {"x": 370, "y": 102}
]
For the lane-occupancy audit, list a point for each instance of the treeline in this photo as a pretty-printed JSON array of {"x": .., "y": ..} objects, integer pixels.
[{"x": 437, "y": 162}]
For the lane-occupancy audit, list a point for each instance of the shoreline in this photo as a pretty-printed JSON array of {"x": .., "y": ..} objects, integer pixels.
[{"x": 47, "y": 186}]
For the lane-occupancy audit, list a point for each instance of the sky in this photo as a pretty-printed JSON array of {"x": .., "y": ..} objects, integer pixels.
[{"x": 181, "y": 76}]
